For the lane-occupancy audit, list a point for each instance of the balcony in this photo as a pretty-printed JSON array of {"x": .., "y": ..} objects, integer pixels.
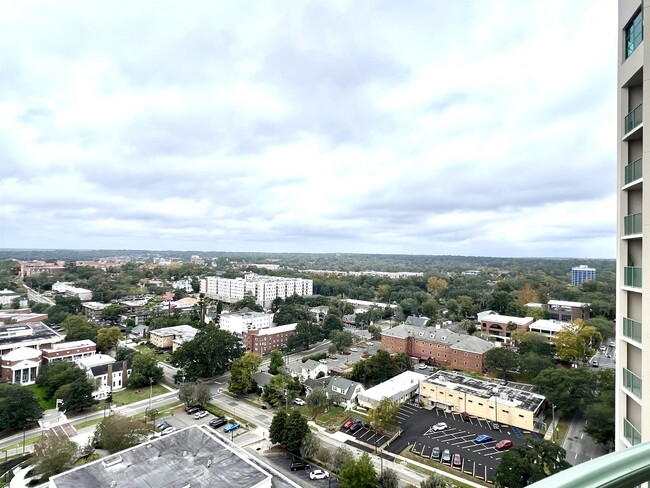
[
  {"x": 633, "y": 120},
  {"x": 632, "y": 382},
  {"x": 632, "y": 224},
  {"x": 620, "y": 469},
  {"x": 632, "y": 329},
  {"x": 631, "y": 433},
  {"x": 634, "y": 171},
  {"x": 632, "y": 276}
]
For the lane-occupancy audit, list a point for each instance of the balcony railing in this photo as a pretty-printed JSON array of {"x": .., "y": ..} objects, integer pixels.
[
  {"x": 632, "y": 382},
  {"x": 634, "y": 118},
  {"x": 634, "y": 171},
  {"x": 632, "y": 276},
  {"x": 631, "y": 433},
  {"x": 620, "y": 469},
  {"x": 632, "y": 329},
  {"x": 632, "y": 224}
]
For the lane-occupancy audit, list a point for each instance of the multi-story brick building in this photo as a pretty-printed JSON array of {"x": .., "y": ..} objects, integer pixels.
[
  {"x": 31, "y": 268},
  {"x": 21, "y": 365},
  {"x": 69, "y": 351},
  {"x": 93, "y": 310},
  {"x": 567, "y": 311},
  {"x": 164, "y": 338},
  {"x": 263, "y": 341},
  {"x": 439, "y": 346},
  {"x": 36, "y": 335}
]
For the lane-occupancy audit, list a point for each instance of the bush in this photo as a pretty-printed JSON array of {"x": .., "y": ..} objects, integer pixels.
[{"x": 315, "y": 357}]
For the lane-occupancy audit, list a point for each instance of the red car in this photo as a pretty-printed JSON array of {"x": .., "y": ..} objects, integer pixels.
[
  {"x": 504, "y": 445},
  {"x": 349, "y": 423},
  {"x": 458, "y": 461}
]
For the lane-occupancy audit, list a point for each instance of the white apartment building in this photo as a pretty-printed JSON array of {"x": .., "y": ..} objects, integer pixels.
[
  {"x": 265, "y": 289},
  {"x": 70, "y": 290},
  {"x": 240, "y": 322},
  {"x": 632, "y": 305}
]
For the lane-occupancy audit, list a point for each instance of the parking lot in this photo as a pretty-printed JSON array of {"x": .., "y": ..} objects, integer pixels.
[
  {"x": 367, "y": 436},
  {"x": 478, "y": 460},
  {"x": 283, "y": 462}
]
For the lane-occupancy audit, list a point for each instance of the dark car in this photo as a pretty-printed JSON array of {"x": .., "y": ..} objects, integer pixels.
[
  {"x": 192, "y": 410},
  {"x": 495, "y": 426},
  {"x": 356, "y": 426},
  {"x": 296, "y": 465},
  {"x": 435, "y": 454},
  {"x": 217, "y": 422},
  {"x": 464, "y": 416},
  {"x": 163, "y": 425}
]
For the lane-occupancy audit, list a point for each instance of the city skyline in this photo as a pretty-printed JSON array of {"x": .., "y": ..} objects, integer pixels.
[{"x": 465, "y": 128}]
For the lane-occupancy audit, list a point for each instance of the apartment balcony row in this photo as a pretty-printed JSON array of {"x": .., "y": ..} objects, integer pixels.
[
  {"x": 632, "y": 224},
  {"x": 632, "y": 329},
  {"x": 633, "y": 174},
  {"x": 632, "y": 276},
  {"x": 634, "y": 123},
  {"x": 632, "y": 382},
  {"x": 620, "y": 469}
]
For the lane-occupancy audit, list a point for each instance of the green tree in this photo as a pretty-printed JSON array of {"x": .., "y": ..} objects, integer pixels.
[
  {"x": 278, "y": 427},
  {"x": 384, "y": 415},
  {"x": 274, "y": 393},
  {"x": 388, "y": 479},
  {"x": 18, "y": 407},
  {"x": 532, "y": 342},
  {"x": 358, "y": 474},
  {"x": 277, "y": 361},
  {"x": 242, "y": 373},
  {"x": 567, "y": 389},
  {"x": 576, "y": 342},
  {"x": 340, "y": 457},
  {"x": 501, "y": 359},
  {"x": 113, "y": 312},
  {"x": 523, "y": 466},
  {"x": 435, "y": 481},
  {"x": 310, "y": 446},
  {"x": 296, "y": 431},
  {"x": 107, "y": 338},
  {"x": 78, "y": 395},
  {"x": 145, "y": 369},
  {"x": 317, "y": 400},
  {"x": 430, "y": 308},
  {"x": 54, "y": 454},
  {"x": 375, "y": 332},
  {"x": 202, "y": 394},
  {"x": 54, "y": 375},
  {"x": 603, "y": 325},
  {"x": 532, "y": 364},
  {"x": 186, "y": 393},
  {"x": 600, "y": 415},
  {"x": 77, "y": 328},
  {"x": 118, "y": 432},
  {"x": 209, "y": 354},
  {"x": 331, "y": 324},
  {"x": 342, "y": 339},
  {"x": 247, "y": 302}
]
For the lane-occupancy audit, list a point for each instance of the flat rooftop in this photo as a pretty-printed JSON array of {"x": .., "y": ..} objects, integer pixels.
[
  {"x": 393, "y": 386},
  {"x": 15, "y": 334},
  {"x": 506, "y": 395},
  {"x": 190, "y": 457},
  {"x": 563, "y": 303}
]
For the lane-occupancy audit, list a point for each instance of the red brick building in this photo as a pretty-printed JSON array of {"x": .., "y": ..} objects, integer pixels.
[
  {"x": 438, "y": 346},
  {"x": 501, "y": 327},
  {"x": 263, "y": 341},
  {"x": 69, "y": 351}
]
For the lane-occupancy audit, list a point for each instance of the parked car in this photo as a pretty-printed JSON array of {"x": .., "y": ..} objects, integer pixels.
[
  {"x": 503, "y": 445},
  {"x": 446, "y": 456},
  {"x": 612, "y": 344},
  {"x": 440, "y": 426},
  {"x": 602, "y": 348},
  {"x": 422, "y": 366},
  {"x": 503, "y": 382},
  {"x": 354, "y": 349},
  {"x": 319, "y": 474},
  {"x": 495, "y": 426},
  {"x": 160, "y": 424},
  {"x": 356, "y": 426},
  {"x": 435, "y": 454},
  {"x": 191, "y": 410},
  {"x": 164, "y": 425},
  {"x": 464, "y": 416},
  {"x": 217, "y": 422},
  {"x": 349, "y": 423},
  {"x": 594, "y": 363},
  {"x": 458, "y": 461},
  {"x": 299, "y": 401},
  {"x": 296, "y": 465},
  {"x": 483, "y": 438},
  {"x": 231, "y": 427},
  {"x": 168, "y": 430},
  {"x": 369, "y": 343},
  {"x": 200, "y": 414}
]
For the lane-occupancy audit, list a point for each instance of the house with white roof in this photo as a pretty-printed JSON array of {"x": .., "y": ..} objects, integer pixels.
[
  {"x": 310, "y": 369},
  {"x": 401, "y": 388}
]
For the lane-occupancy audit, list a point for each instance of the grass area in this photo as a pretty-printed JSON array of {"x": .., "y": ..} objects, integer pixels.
[
  {"x": 39, "y": 393},
  {"x": 563, "y": 426},
  {"x": 131, "y": 395},
  {"x": 441, "y": 467},
  {"x": 165, "y": 357},
  {"x": 87, "y": 423}
]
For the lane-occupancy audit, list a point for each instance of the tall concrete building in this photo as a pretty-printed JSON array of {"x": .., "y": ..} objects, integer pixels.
[
  {"x": 582, "y": 273},
  {"x": 633, "y": 341}
]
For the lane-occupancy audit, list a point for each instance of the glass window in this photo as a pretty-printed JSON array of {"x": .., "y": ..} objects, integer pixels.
[{"x": 634, "y": 34}]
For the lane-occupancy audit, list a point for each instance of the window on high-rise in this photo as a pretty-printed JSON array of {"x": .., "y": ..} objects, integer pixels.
[{"x": 634, "y": 34}]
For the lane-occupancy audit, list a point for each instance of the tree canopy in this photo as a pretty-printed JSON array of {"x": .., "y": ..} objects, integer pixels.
[
  {"x": 522, "y": 466},
  {"x": 242, "y": 373},
  {"x": 358, "y": 473},
  {"x": 18, "y": 406},
  {"x": 144, "y": 369},
  {"x": 118, "y": 432},
  {"x": 53, "y": 376}
]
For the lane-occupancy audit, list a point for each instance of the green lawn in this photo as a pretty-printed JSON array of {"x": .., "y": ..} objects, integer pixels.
[
  {"x": 39, "y": 393},
  {"x": 131, "y": 395},
  {"x": 160, "y": 356}
]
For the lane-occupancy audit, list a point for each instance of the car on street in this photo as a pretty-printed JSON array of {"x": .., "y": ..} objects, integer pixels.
[
  {"x": 319, "y": 474},
  {"x": 602, "y": 348},
  {"x": 503, "y": 445},
  {"x": 440, "y": 426},
  {"x": 200, "y": 414},
  {"x": 483, "y": 438},
  {"x": 217, "y": 422},
  {"x": 356, "y": 426},
  {"x": 612, "y": 344},
  {"x": 435, "y": 454},
  {"x": 296, "y": 465},
  {"x": 230, "y": 427},
  {"x": 168, "y": 430},
  {"x": 458, "y": 461},
  {"x": 299, "y": 401},
  {"x": 354, "y": 349},
  {"x": 446, "y": 456},
  {"x": 349, "y": 423}
]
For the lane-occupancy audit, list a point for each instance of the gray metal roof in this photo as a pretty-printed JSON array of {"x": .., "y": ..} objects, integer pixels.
[{"x": 462, "y": 342}]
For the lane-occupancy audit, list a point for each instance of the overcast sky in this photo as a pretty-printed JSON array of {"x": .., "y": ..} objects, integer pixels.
[{"x": 424, "y": 127}]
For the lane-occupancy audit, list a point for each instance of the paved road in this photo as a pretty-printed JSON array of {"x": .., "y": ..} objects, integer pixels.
[
  {"x": 579, "y": 446},
  {"x": 37, "y": 297}
]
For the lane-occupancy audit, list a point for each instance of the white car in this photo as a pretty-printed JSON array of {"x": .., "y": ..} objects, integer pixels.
[
  {"x": 319, "y": 474},
  {"x": 422, "y": 366},
  {"x": 369, "y": 343},
  {"x": 200, "y": 415},
  {"x": 603, "y": 348},
  {"x": 168, "y": 430},
  {"x": 440, "y": 426},
  {"x": 354, "y": 349},
  {"x": 322, "y": 361},
  {"x": 299, "y": 401}
]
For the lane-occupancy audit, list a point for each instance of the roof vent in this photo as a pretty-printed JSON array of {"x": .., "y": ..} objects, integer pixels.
[
  {"x": 209, "y": 462},
  {"x": 112, "y": 461}
]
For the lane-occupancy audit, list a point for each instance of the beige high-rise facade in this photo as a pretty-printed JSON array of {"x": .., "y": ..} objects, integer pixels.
[{"x": 632, "y": 338}]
